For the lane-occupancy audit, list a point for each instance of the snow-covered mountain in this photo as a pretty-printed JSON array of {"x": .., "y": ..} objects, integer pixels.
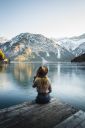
[
  {"x": 2, "y": 40},
  {"x": 79, "y": 37},
  {"x": 35, "y": 47},
  {"x": 75, "y": 45},
  {"x": 67, "y": 43},
  {"x": 79, "y": 50}
]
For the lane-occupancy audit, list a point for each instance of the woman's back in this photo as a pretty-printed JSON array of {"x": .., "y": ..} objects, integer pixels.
[{"x": 42, "y": 84}]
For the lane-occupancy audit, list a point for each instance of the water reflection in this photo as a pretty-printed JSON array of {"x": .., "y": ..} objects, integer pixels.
[
  {"x": 23, "y": 71},
  {"x": 67, "y": 82},
  {"x": 3, "y": 67},
  {"x": 4, "y": 78}
]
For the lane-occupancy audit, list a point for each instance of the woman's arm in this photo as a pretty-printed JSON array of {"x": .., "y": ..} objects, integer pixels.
[
  {"x": 50, "y": 88},
  {"x": 34, "y": 83}
]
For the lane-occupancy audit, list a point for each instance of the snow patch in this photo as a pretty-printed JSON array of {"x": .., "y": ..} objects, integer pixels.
[
  {"x": 47, "y": 54},
  {"x": 59, "y": 55}
]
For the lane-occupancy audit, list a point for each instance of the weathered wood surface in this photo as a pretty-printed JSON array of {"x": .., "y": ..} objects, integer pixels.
[
  {"x": 31, "y": 115},
  {"x": 75, "y": 121}
]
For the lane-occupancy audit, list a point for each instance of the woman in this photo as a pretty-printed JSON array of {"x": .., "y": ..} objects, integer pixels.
[{"x": 42, "y": 84}]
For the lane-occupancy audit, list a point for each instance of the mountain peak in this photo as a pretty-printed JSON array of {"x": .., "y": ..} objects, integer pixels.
[
  {"x": 3, "y": 39},
  {"x": 35, "y": 47},
  {"x": 79, "y": 37}
]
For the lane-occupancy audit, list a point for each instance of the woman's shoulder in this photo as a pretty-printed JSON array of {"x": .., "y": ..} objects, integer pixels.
[
  {"x": 37, "y": 78},
  {"x": 41, "y": 78}
]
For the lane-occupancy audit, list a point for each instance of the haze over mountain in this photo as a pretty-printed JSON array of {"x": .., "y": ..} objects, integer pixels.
[
  {"x": 35, "y": 47},
  {"x": 2, "y": 40}
]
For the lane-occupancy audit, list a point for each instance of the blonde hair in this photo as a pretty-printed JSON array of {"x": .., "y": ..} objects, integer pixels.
[
  {"x": 42, "y": 83},
  {"x": 42, "y": 71}
]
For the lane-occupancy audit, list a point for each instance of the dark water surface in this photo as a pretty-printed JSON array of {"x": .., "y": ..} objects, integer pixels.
[{"x": 68, "y": 83}]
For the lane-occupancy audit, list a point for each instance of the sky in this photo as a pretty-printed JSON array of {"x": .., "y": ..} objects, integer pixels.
[{"x": 51, "y": 18}]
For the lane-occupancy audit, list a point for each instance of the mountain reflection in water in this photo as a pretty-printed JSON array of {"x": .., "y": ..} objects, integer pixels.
[{"x": 23, "y": 72}]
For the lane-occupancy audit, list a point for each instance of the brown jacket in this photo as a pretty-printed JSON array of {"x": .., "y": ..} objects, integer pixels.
[{"x": 42, "y": 85}]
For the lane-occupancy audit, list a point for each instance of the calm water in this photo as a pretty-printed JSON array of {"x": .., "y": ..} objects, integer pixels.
[{"x": 68, "y": 83}]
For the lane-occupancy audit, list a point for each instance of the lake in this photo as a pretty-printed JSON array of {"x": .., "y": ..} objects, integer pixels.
[{"x": 68, "y": 83}]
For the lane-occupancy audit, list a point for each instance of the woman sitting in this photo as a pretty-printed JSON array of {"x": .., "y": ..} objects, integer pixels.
[{"x": 42, "y": 84}]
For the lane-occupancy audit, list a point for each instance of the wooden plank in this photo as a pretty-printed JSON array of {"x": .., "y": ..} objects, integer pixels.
[
  {"x": 35, "y": 115},
  {"x": 37, "y": 110},
  {"x": 26, "y": 109},
  {"x": 18, "y": 111},
  {"x": 75, "y": 121},
  {"x": 50, "y": 119}
]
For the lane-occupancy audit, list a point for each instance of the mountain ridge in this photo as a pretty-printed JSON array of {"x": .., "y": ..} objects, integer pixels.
[
  {"x": 73, "y": 44},
  {"x": 31, "y": 47}
]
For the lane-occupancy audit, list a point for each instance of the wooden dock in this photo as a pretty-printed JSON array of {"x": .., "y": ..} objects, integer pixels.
[{"x": 55, "y": 114}]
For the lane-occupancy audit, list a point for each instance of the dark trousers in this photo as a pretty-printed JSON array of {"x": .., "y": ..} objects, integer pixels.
[{"x": 43, "y": 98}]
